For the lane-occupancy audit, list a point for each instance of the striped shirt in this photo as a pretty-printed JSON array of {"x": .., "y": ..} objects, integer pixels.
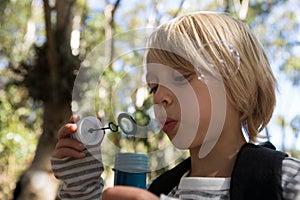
[
  {"x": 82, "y": 180},
  {"x": 81, "y": 177}
]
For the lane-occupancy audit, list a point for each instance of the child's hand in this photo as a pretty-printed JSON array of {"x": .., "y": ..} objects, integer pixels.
[
  {"x": 127, "y": 193},
  {"x": 67, "y": 146}
]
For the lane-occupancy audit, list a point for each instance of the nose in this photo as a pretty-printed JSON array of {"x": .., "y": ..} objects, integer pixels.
[{"x": 163, "y": 96}]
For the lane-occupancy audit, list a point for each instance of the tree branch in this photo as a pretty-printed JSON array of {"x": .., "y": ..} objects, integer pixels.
[
  {"x": 109, "y": 12},
  {"x": 179, "y": 8},
  {"x": 51, "y": 52},
  {"x": 115, "y": 7}
]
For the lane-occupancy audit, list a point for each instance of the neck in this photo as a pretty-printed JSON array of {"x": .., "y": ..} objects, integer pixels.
[{"x": 220, "y": 160}]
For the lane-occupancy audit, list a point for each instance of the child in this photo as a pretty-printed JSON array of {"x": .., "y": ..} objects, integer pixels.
[{"x": 210, "y": 76}]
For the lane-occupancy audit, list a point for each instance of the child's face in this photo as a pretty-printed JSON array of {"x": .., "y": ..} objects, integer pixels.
[{"x": 183, "y": 104}]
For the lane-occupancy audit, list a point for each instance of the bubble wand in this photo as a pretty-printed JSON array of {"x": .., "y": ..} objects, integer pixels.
[{"x": 95, "y": 128}]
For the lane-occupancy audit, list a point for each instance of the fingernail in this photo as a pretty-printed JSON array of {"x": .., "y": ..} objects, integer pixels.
[
  {"x": 82, "y": 154},
  {"x": 73, "y": 126},
  {"x": 80, "y": 145}
]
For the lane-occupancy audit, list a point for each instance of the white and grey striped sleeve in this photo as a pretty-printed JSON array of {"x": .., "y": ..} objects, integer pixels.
[
  {"x": 81, "y": 178},
  {"x": 291, "y": 179}
]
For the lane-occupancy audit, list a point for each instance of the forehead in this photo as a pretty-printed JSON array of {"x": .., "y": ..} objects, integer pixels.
[
  {"x": 168, "y": 59},
  {"x": 157, "y": 72}
]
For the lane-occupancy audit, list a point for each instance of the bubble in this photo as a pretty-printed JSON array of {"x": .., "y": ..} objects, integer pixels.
[{"x": 97, "y": 87}]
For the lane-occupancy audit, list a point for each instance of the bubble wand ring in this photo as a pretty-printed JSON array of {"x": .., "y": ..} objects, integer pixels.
[{"x": 90, "y": 130}]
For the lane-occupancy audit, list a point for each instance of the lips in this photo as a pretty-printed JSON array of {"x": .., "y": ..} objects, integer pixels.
[{"x": 169, "y": 125}]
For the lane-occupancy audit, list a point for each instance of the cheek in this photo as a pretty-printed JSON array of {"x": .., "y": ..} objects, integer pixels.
[
  {"x": 187, "y": 108},
  {"x": 213, "y": 108},
  {"x": 205, "y": 118},
  {"x": 195, "y": 119},
  {"x": 205, "y": 111},
  {"x": 160, "y": 114}
]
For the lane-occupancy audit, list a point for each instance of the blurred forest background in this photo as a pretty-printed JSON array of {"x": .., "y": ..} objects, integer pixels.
[{"x": 44, "y": 42}]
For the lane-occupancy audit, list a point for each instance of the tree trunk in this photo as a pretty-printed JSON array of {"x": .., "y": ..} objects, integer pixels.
[{"x": 38, "y": 182}]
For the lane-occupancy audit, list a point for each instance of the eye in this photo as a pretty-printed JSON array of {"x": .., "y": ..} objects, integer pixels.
[{"x": 182, "y": 78}]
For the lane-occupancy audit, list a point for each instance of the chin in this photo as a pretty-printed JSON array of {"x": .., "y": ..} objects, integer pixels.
[
  {"x": 170, "y": 136},
  {"x": 181, "y": 145},
  {"x": 177, "y": 143}
]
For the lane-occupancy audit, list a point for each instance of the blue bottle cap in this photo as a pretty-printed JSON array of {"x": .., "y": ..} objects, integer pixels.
[{"x": 132, "y": 162}]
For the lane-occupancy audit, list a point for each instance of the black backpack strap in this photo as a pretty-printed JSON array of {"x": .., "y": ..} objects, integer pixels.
[
  {"x": 267, "y": 144},
  {"x": 257, "y": 174},
  {"x": 170, "y": 179}
]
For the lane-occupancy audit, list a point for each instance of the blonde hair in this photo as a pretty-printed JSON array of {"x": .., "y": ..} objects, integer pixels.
[{"x": 218, "y": 45}]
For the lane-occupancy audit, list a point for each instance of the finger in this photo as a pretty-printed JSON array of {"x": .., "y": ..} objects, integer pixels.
[
  {"x": 100, "y": 119},
  {"x": 67, "y": 152},
  {"x": 125, "y": 192},
  {"x": 70, "y": 143},
  {"x": 74, "y": 118},
  {"x": 67, "y": 130}
]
